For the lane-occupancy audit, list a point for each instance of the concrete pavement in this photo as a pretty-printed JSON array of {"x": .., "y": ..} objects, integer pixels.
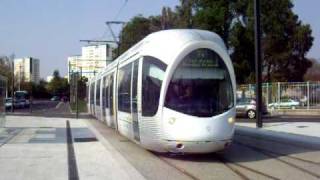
[
  {"x": 36, "y": 148},
  {"x": 298, "y": 128},
  {"x": 64, "y": 148}
]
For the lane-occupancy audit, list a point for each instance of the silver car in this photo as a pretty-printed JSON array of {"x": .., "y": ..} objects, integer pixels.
[
  {"x": 285, "y": 103},
  {"x": 246, "y": 107}
]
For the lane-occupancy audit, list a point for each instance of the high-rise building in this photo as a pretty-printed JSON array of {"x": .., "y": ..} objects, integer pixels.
[
  {"x": 92, "y": 60},
  {"x": 27, "y": 70}
]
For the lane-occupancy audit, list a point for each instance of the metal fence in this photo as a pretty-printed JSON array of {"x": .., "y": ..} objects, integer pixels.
[
  {"x": 300, "y": 95},
  {"x": 3, "y": 91}
]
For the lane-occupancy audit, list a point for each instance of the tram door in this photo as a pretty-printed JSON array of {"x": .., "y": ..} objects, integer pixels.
[
  {"x": 134, "y": 101},
  {"x": 111, "y": 99}
]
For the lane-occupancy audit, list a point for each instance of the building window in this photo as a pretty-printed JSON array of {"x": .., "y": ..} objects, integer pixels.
[
  {"x": 124, "y": 88},
  {"x": 152, "y": 75}
]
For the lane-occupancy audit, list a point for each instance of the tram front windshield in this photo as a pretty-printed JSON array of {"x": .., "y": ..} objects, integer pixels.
[{"x": 201, "y": 85}]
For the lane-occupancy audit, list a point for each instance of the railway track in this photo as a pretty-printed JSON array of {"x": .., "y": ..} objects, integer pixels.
[
  {"x": 232, "y": 166},
  {"x": 276, "y": 155},
  {"x": 238, "y": 168}
]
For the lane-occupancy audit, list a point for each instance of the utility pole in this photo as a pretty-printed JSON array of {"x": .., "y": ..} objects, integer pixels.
[
  {"x": 12, "y": 85},
  {"x": 257, "y": 14},
  {"x": 115, "y": 39},
  {"x": 31, "y": 97},
  {"x": 76, "y": 94},
  {"x": 20, "y": 77}
]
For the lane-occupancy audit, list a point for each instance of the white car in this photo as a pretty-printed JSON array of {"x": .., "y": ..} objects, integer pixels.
[
  {"x": 8, "y": 103},
  {"x": 285, "y": 103}
]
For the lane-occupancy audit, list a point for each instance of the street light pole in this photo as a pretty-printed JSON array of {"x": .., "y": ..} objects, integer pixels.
[
  {"x": 12, "y": 85},
  {"x": 258, "y": 58},
  {"x": 76, "y": 94}
]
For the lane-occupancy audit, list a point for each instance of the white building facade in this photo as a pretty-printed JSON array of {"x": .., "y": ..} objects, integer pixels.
[
  {"x": 27, "y": 69},
  {"x": 93, "y": 59}
]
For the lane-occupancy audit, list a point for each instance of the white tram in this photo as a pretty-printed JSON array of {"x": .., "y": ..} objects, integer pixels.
[{"x": 174, "y": 91}]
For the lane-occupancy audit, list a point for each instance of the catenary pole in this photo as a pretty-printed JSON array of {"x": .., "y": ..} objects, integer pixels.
[
  {"x": 12, "y": 85},
  {"x": 258, "y": 58}
]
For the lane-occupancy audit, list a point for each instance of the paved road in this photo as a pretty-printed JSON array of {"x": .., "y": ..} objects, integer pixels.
[
  {"x": 46, "y": 108},
  {"x": 293, "y": 118},
  {"x": 37, "y": 105},
  {"x": 40, "y": 147}
]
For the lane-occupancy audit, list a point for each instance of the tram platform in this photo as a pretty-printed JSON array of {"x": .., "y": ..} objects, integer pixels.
[
  {"x": 310, "y": 129},
  {"x": 64, "y": 148},
  {"x": 58, "y": 148}
]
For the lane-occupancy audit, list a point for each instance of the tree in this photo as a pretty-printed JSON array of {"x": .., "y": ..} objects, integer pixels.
[
  {"x": 40, "y": 91},
  {"x": 313, "y": 73},
  {"x": 135, "y": 30},
  {"x": 215, "y": 15},
  {"x": 169, "y": 19},
  {"x": 6, "y": 71},
  {"x": 285, "y": 41},
  {"x": 82, "y": 87},
  {"x": 184, "y": 14},
  {"x": 58, "y": 86}
]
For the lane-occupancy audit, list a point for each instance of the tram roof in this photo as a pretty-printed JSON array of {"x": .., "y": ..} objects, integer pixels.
[{"x": 165, "y": 44}]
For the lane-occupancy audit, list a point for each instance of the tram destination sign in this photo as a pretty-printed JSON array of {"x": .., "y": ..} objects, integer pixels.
[{"x": 200, "y": 63}]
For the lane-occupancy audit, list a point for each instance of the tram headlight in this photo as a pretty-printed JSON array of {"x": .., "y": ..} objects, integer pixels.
[
  {"x": 172, "y": 120},
  {"x": 231, "y": 120}
]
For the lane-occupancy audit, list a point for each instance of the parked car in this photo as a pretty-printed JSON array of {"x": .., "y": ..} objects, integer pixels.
[
  {"x": 8, "y": 103},
  {"x": 247, "y": 107},
  {"x": 285, "y": 103},
  {"x": 23, "y": 103},
  {"x": 18, "y": 103},
  {"x": 55, "y": 98}
]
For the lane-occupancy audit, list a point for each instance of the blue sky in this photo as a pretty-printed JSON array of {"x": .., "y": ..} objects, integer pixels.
[
  {"x": 50, "y": 30},
  {"x": 308, "y": 12}
]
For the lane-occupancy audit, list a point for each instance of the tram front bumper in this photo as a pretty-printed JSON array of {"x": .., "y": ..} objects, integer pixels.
[{"x": 196, "y": 147}]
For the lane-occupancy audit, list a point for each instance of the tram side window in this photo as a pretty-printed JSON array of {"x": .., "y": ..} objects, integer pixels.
[
  {"x": 152, "y": 75},
  {"x": 106, "y": 91},
  {"x": 124, "y": 88},
  {"x": 98, "y": 93},
  {"x": 92, "y": 94}
]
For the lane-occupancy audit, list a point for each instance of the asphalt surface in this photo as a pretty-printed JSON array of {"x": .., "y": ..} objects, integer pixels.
[
  {"x": 37, "y": 105},
  {"x": 47, "y": 108},
  {"x": 293, "y": 118}
]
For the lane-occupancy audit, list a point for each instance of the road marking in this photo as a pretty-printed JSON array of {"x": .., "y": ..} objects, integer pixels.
[{"x": 58, "y": 105}]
